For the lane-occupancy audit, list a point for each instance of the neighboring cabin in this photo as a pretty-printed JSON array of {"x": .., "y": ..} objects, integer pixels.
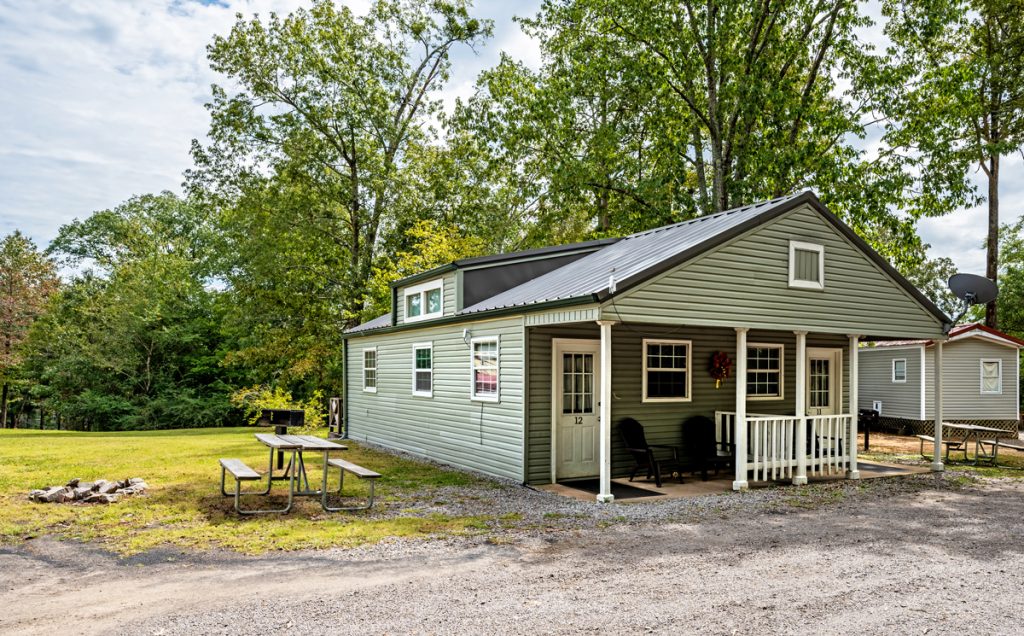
[
  {"x": 518, "y": 365},
  {"x": 980, "y": 380}
]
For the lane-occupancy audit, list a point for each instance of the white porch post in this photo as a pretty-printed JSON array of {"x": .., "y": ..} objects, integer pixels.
[
  {"x": 854, "y": 361},
  {"x": 800, "y": 478},
  {"x": 605, "y": 495},
  {"x": 740, "y": 438},
  {"x": 937, "y": 457}
]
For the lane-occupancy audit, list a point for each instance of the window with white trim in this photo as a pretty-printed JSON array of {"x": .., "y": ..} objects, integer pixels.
[
  {"x": 423, "y": 369},
  {"x": 764, "y": 371},
  {"x": 992, "y": 376},
  {"x": 424, "y": 301},
  {"x": 484, "y": 369},
  {"x": 370, "y": 370},
  {"x": 666, "y": 371},
  {"x": 806, "y": 265},
  {"x": 899, "y": 370}
]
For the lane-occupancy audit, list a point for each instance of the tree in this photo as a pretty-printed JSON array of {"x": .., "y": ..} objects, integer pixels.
[
  {"x": 956, "y": 100},
  {"x": 27, "y": 280},
  {"x": 134, "y": 339},
  {"x": 310, "y": 164},
  {"x": 644, "y": 114}
]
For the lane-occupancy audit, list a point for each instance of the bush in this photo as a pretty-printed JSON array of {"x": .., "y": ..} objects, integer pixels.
[{"x": 254, "y": 399}]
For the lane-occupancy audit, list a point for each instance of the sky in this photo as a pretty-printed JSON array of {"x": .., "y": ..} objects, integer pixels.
[{"x": 101, "y": 99}]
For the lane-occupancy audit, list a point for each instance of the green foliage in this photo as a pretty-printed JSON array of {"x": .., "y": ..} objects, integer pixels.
[
  {"x": 133, "y": 341},
  {"x": 252, "y": 400}
]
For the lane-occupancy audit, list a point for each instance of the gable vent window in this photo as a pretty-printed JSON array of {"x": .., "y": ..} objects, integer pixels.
[
  {"x": 424, "y": 301},
  {"x": 806, "y": 265}
]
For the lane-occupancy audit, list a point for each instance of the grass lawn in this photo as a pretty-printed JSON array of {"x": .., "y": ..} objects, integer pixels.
[{"x": 184, "y": 507}]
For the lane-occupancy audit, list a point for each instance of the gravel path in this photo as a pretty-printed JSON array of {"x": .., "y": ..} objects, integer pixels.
[{"x": 908, "y": 555}]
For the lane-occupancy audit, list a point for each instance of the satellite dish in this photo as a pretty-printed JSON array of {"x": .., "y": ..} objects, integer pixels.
[{"x": 973, "y": 289}]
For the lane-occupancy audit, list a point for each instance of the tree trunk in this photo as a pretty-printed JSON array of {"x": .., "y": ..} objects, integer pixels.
[
  {"x": 3, "y": 408},
  {"x": 992, "y": 258}
]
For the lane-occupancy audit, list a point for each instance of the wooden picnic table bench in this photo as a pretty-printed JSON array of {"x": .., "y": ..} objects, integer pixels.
[{"x": 357, "y": 470}]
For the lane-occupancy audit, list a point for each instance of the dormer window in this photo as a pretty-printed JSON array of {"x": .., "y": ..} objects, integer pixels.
[
  {"x": 424, "y": 301},
  {"x": 806, "y": 265}
]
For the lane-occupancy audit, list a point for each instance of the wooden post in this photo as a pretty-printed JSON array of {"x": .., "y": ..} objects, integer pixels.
[
  {"x": 605, "y": 426},
  {"x": 740, "y": 438},
  {"x": 800, "y": 396},
  {"x": 937, "y": 457},
  {"x": 853, "y": 473}
]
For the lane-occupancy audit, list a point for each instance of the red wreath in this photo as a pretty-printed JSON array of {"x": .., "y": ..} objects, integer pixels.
[{"x": 720, "y": 367}]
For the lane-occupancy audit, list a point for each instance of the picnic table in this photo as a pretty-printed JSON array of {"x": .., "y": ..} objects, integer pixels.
[
  {"x": 296, "y": 470},
  {"x": 973, "y": 432}
]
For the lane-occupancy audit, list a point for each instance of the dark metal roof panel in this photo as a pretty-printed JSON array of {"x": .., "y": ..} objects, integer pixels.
[
  {"x": 626, "y": 259},
  {"x": 377, "y": 323}
]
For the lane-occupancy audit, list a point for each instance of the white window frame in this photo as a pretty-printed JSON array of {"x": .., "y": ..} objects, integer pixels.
[
  {"x": 808, "y": 247},
  {"x": 421, "y": 290},
  {"x": 896, "y": 380},
  {"x": 487, "y": 397},
  {"x": 688, "y": 370},
  {"x": 417, "y": 347},
  {"x": 782, "y": 371},
  {"x": 376, "y": 373},
  {"x": 981, "y": 376}
]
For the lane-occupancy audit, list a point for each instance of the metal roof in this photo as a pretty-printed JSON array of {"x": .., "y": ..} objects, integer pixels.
[
  {"x": 626, "y": 259},
  {"x": 377, "y": 323}
]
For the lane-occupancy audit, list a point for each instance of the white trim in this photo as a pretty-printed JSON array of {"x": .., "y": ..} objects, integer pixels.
[
  {"x": 496, "y": 396},
  {"x": 882, "y": 349},
  {"x": 376, "y": 374},
  {"x": 688, "y": 371},
  {"x": 981, "y": 376},
  {"x": 422, "y": 289},
  {"x": 984, "y": 335},
  {"x": 556, "y": 343},
  {"x": 924, "y": 399},
  {"x": 782, "y": 371},
  {"x": 806, "y": 247},
  {"x": 895, "y": 380},
  {"x": 416, "y": 347}
]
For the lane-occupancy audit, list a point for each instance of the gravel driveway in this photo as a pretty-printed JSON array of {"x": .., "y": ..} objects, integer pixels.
[{"x": 909, "y": 555}]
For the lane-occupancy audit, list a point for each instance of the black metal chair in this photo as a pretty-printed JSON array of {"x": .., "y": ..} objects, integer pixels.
[
  {"x": 701, "y": 450},
  {"x": 653, "y": 459}
]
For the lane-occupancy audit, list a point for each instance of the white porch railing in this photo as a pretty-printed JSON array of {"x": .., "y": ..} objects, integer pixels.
[{"x": 772, "y": 447}]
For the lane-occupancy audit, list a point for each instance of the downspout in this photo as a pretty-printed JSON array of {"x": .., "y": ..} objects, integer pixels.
[{"x": 344, "y": 387}]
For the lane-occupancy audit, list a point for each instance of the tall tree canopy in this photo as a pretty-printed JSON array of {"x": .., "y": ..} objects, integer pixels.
[
  {"x": 314, "y": 162},
  {"x": 646, "y": 113},
  {"x": 27, "y": 280},
  {"x": 955, "y": 100}
]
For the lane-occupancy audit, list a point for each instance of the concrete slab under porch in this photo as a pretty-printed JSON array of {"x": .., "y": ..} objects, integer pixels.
[{"x": 694, "y": 487}]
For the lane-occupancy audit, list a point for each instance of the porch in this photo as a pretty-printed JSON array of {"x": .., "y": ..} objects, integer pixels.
[{"x": 584, "y": 379}]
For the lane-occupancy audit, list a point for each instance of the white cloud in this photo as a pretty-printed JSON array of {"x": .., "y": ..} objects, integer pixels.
[{"x": 102, "y": 97}]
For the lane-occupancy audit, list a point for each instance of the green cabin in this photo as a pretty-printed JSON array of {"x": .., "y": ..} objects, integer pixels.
[{"x": 521, "y": 365}]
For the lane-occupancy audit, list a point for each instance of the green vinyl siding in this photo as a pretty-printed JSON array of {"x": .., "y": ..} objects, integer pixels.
[
  {"x": 899, "y": 399},
  {"x": 447, "y": 427},
  {"x": 662, "y": 420},
  {"x": 745, "y": 282},
  {"x": 961, "y": 381}
]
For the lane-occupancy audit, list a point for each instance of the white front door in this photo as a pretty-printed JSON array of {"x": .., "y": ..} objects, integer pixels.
[
  {"x": 824, "y": 381},
  {"x": 575, "y": 381}
]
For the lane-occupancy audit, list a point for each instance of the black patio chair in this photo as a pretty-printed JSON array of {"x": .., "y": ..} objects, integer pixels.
[
  {"x": 701, "y": 450},
  {"x": 654, "y": 459}
]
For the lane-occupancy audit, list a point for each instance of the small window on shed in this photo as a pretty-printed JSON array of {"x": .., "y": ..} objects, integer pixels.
[
  {"x": 484, "y": 363},
  {"x": 423, "y": 369},
  {"x": 992, "y": 376},
  {"x": 806, "y": 265},
  {"x": 370, "y": 370},
  {"x": 899, "y": 370}
]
